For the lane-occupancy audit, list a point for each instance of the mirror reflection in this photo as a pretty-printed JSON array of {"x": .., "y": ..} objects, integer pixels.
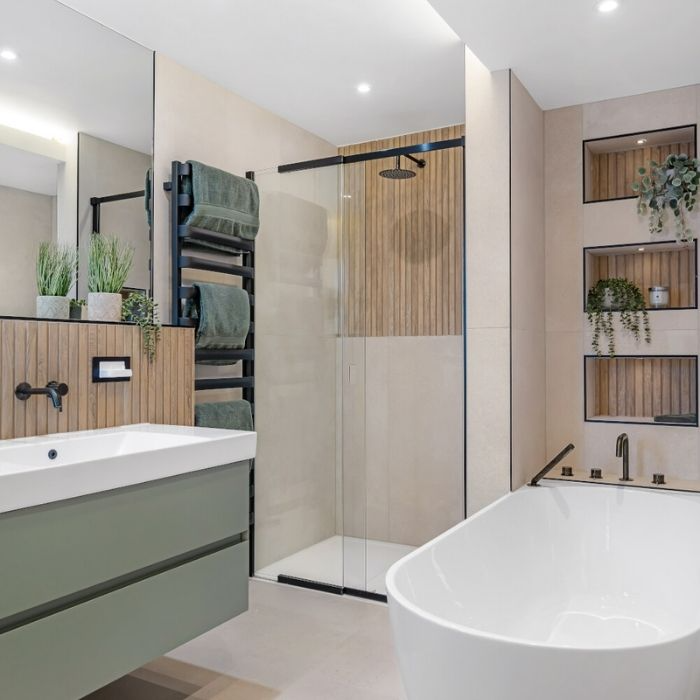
[{"x": 76, "y": 135}]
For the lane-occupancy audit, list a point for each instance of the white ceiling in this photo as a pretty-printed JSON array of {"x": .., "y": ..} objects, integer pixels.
[
  {"x": 74, "y": 75},
  {"x": 302, "y": 59},
  {"x": 28, "y": 171},
  {"x": 566, "y": 52}
]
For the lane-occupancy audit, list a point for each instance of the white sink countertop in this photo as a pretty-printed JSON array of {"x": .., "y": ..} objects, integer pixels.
[{"x": 51, "y": 468}]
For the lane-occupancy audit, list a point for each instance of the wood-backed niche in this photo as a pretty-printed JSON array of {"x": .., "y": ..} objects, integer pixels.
[
  {"x": 642, "y": 389},
  {"x": 161, "y": 391},
  {"x": 612, "y": 164}
]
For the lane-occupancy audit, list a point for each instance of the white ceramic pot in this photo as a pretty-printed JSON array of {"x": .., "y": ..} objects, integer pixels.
[
  {"x": 104, "y": 307},
  {"x": 52, "y": 307}
]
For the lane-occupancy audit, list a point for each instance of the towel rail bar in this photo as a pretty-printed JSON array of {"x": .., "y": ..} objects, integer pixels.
[
  {"x": 187, "y": 292},
  {"x": 237, "y": 245},
  {"x": 224, "y": 383},
  {"x": 188, "y": 261},
  {"x": 235, "y": 355},
  {"x": 184, "y": 238}
]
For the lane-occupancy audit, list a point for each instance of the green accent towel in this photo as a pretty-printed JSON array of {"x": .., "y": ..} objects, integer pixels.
[
  {"x": 223, "y": 203},
  {"x": 223, "y": 312},
  {"x": 148, "y": 193},
  {"x": 229, "y": 415},
  {"x": 681, "y": 418}
]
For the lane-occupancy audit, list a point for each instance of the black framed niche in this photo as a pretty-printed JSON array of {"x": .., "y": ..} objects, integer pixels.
[
  {"x": 643, "y": 389},
  {"x": 611, "y": 164},
  {"x": 660, "y": 264}
]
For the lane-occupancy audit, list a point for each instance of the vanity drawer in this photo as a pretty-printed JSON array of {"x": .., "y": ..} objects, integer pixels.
[
  {"x": 58, "y": 549},
  {"x": 71, "y": 653}
]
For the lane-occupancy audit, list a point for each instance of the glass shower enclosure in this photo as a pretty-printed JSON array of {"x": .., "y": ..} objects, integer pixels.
[{"x": 359, "y": 364}]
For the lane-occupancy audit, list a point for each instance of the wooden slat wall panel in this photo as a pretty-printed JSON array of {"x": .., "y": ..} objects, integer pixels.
[
  {"x": 675, "y": 269},
  {"x": 41, "y": 351},
  {"x": 612, "y": 174},
  {"x": 403, "y": 242},
  {"x": 642, "y": 387}
]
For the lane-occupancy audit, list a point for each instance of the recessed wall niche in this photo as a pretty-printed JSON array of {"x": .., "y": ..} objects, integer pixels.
[
  {"x": 664, "y": 264},
  {"x": 653, "y": 389},
  {"x": 611, "y": 164}
]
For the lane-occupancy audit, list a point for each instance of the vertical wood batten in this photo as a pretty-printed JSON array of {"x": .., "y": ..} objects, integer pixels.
[
  {"x": 409, "y": 281},
  {"x": 42, "y": 351}
]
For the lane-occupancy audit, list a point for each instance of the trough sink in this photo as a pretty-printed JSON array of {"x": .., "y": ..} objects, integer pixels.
[{"x": 50, "y": 468}]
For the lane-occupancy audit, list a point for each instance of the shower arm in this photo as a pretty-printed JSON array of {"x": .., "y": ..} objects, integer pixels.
[{"x": 418, "y": 161}]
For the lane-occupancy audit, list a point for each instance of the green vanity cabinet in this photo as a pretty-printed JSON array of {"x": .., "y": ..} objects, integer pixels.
[{"x": 94, "y": 587}]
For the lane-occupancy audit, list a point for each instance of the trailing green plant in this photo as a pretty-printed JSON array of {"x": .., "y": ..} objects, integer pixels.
[
  {"x": 616, "y": 294},
  {"x": 109, "y": 263},
  {"x": 671, "y": 185},
  {"x": 56, "y": 266},
  {"x": 77, "y": 303},
  {"x": 142, "y": 310}
]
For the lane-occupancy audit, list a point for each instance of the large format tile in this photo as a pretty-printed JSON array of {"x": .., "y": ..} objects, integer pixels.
[{"x": 303, "y": 644}]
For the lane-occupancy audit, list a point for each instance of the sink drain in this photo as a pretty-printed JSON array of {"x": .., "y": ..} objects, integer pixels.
[{"x": 53, "y": 454}]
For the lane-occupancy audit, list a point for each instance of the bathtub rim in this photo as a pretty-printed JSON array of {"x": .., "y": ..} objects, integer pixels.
[{"x": 395, "y": 596}]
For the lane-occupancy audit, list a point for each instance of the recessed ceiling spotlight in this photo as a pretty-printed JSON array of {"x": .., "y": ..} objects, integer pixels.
[
  {"x": 641, "y": 250},
  {"x": 606, "y": 6},
  {"x": 641, "y": 142},
  {"x": 8, "y": 55},
  {"x": 364, "y": 87}
]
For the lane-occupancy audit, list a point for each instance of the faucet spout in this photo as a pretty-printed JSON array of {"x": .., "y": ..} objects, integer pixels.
[
  {"x": 622, "y": 449},
  {"x": 53, "y": 390}
]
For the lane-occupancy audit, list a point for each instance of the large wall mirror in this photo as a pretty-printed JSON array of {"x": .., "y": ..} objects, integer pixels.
[{"x": 76, "y": 147}]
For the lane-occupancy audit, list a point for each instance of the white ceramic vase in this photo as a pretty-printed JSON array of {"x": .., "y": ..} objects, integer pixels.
[
  {"x": 103, "y": 306},
  {"x": 52, "y": 307}
]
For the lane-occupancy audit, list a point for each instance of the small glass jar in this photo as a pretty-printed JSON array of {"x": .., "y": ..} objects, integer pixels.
[{"x": 658, "y": 297}]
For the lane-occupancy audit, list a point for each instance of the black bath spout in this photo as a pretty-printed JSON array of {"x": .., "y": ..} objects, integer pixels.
[
  {"x": 53, "y": 390},
  {"x": 550, "y": 465}
]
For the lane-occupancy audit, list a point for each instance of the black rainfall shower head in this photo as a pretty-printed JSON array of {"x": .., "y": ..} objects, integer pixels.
[{"x": 398, "y": 173}]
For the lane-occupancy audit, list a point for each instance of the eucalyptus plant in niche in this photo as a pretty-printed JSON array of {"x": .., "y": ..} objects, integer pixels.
[
  {"x": 143, "y": 311},
  {"x": 671, "y": 185},
  {"x": 616, "y": 294}
]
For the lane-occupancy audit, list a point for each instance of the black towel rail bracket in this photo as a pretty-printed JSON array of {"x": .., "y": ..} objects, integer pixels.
[{"x": 183, "y": 238}]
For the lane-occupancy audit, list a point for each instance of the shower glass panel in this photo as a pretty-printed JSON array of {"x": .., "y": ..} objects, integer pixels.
[
  {"x": 359, "y": 365},
  {"x": 299, "y": 349},
  {"x": 403, "y": 286}
]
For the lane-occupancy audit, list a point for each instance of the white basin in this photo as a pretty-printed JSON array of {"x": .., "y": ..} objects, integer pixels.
[{"x": 53, "y": 468}]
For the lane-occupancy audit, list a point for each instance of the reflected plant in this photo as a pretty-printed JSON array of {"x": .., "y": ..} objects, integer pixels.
[
  {"x": 109, "y": 264},
  {"x": 56, "y": 267}
]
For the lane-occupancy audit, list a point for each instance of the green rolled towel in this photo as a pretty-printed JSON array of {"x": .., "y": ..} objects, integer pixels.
[
  {"x": 678, "y": 418},
  {"x": 223, "y": 203},
  {"x": 223, "y": 315},
  {"x": 229, "y": 415}
]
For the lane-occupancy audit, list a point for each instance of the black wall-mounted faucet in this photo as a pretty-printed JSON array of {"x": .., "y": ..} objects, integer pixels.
[{"x": 53, "y": 390}]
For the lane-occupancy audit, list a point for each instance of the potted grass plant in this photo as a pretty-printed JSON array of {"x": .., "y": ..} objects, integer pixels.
[
  {"x": 109, "y": 264},
  {"x": 56, "y": 266}
]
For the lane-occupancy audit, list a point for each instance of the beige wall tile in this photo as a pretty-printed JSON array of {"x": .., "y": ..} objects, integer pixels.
[
  {"x": 565, "y": 394},
  {"x": 653, "y": 449},
  {"x": 527, "y": 285},
  {"x": 488, "y": 420},
  {"x": 653, "y": 110},
  {"x": 563, "y": 219},
  {"x": 487, "y": 210}
]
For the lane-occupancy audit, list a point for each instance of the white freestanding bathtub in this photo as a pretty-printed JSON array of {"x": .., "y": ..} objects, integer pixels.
[{"x": 561, "y": 592}]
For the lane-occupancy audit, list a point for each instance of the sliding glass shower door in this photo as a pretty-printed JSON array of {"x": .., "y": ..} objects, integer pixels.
[
  {"x": 300, "y": 347},
  {"x": 360, "y": 364}
]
